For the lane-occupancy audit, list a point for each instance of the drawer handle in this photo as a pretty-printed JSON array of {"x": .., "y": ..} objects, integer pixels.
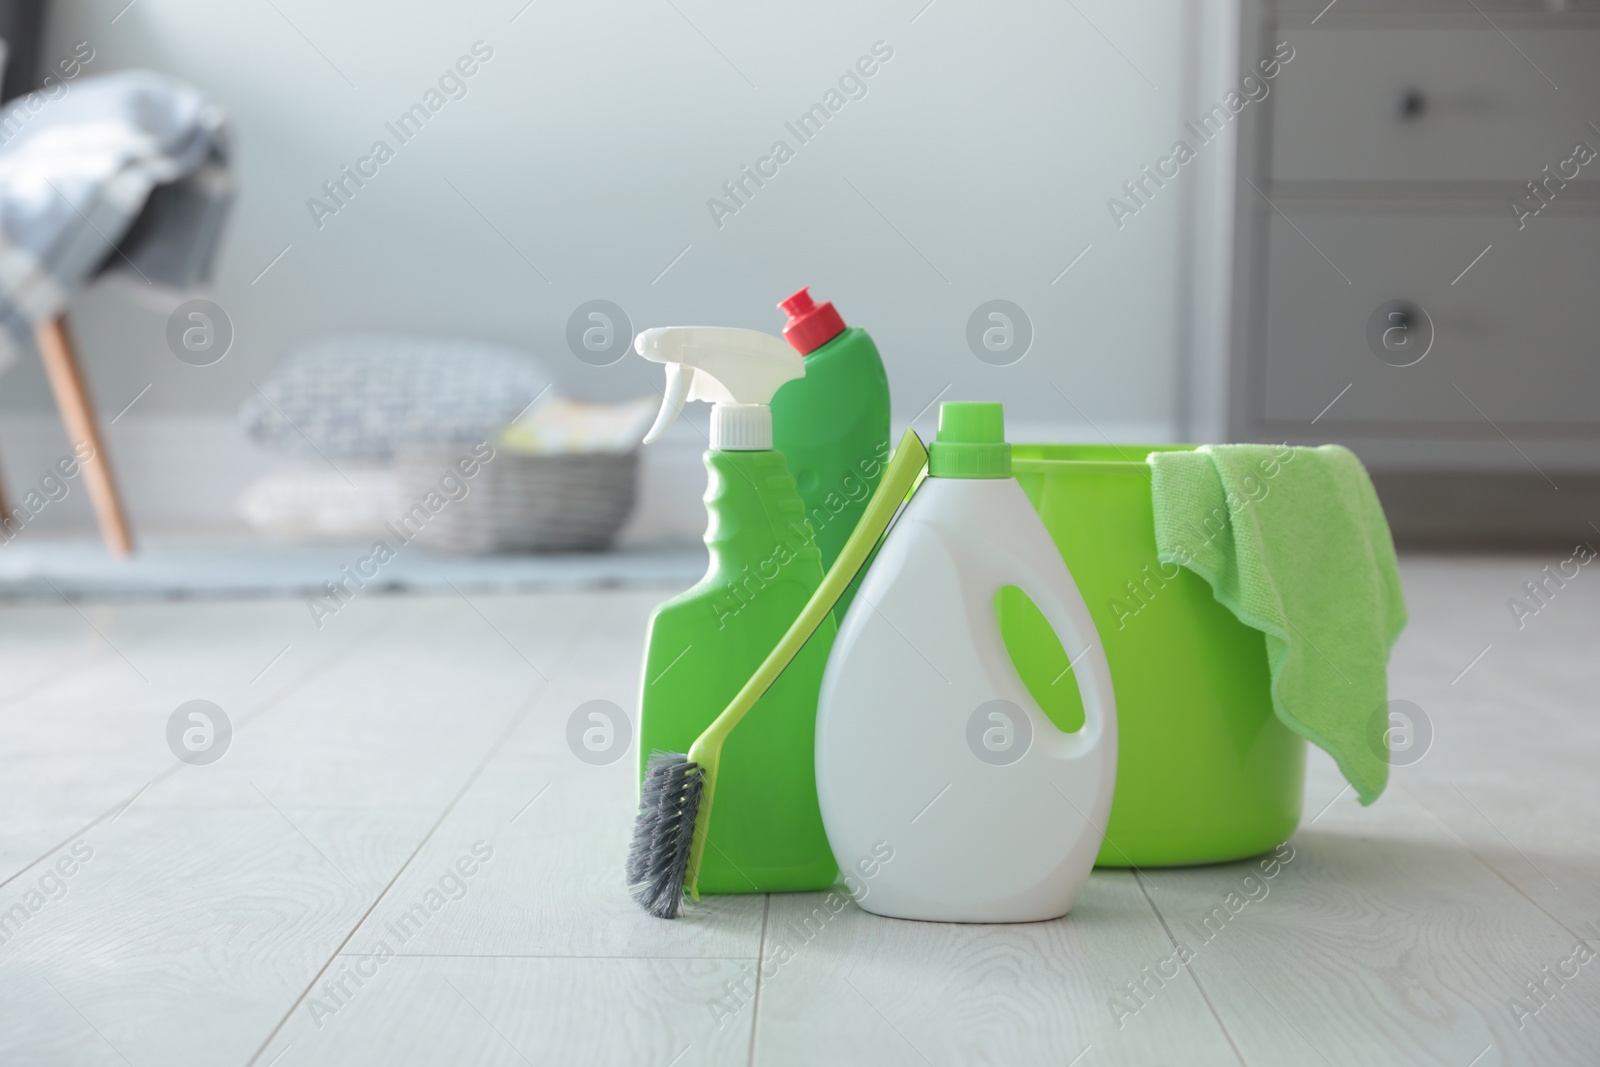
[{"x": 1412, "y": 104}]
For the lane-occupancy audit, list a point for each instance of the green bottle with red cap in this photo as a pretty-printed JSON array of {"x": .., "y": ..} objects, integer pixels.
[{"x": 833, "y": 424}]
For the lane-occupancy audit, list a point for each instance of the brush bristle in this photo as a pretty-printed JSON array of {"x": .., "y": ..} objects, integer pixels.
[{"x": 658, "y": 858}]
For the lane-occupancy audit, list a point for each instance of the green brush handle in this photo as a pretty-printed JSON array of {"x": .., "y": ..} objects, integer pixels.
[{"x": 909, "y": 461}]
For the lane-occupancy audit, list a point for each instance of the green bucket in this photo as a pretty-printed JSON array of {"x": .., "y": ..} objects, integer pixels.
[{"x": 1205, "y": 771}]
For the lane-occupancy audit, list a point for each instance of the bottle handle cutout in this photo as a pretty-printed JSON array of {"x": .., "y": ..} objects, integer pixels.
[
  {"x": 1076, "y": 631},
  {"x": 1040, "y": 661}
]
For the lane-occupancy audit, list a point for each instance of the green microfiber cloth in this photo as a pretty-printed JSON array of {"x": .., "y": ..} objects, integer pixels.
[{"x": 1293, "y": 541}]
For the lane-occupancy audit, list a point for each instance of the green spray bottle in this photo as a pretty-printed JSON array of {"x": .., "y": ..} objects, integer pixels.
[
  {"x": 832, "y": 425},
  {"x": 766, "y": 831}
]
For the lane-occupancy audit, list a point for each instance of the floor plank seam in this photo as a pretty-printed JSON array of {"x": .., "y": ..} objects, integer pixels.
[
  {"x": 336, "y": 658},
  {"x": 39, "y": 684},
  {"x": 116, "y": 810},
  {"x": 516, "y": 720},
  {"x": 531, "y": 956},
  {"x": 1195, "y": 978},
  {"x": 755, "y": 1001},
  {"x": 1462, "y": 842}
]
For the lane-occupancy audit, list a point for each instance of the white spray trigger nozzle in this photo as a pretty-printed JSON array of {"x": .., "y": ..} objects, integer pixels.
[
  {"x": 737, "y": 371},
  {"x": 679, "y": 381}
]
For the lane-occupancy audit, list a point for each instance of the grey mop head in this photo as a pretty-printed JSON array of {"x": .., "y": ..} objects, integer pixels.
[{"x": 658, "y": 858}]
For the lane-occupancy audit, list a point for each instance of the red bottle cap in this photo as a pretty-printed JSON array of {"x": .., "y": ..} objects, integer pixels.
[{"x": 810, "y": 325}]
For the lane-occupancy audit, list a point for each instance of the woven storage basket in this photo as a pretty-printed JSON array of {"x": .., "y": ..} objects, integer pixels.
[{"x": 572, "y": 502}]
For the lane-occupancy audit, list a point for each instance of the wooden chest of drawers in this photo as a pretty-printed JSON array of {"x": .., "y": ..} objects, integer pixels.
[{"x": 1416, "y": 258}]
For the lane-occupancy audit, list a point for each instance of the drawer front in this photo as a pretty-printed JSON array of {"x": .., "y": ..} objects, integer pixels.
[
  {"x": 1413, "y": 104},
  {"x": 1518, "y": 335}
]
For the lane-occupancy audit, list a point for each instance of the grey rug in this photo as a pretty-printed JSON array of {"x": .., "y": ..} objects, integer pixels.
[{"x": 84, "y": 570}]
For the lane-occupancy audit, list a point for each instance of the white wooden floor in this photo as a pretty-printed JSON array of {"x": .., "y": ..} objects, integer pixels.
[{"x": 252, "y": 911}]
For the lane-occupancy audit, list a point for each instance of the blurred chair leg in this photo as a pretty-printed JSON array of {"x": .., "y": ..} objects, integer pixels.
[{"x": 72, "y": 399}]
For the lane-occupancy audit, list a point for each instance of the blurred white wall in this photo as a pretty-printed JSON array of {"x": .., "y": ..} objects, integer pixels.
[{"x": 579, "y": 164}]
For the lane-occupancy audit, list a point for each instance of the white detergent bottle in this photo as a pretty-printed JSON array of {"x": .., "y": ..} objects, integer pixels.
[{"x": 946, "y": 792}]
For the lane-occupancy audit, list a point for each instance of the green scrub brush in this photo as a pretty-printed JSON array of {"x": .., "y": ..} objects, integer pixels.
[{"x": 669, "y": 835}]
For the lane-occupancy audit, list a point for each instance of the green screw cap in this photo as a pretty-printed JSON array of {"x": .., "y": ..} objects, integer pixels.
[{"x": 971, "y": 442}]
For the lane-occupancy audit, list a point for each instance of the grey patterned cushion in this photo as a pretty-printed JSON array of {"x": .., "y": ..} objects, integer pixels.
[{"x": 363, "y": 395}]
